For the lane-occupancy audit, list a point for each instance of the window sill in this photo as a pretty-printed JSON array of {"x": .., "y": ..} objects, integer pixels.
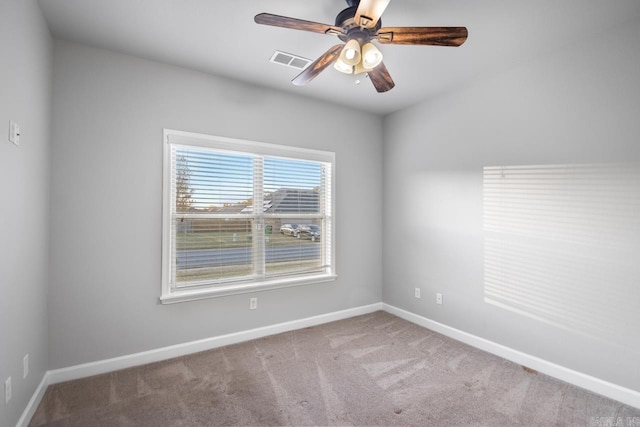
[{"x": 177, "y": 296}]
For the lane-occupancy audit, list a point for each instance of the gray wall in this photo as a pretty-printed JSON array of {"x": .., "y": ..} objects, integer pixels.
[
  {"x": 580, "y": 105},
  {"x": 25, "y": 97},
  {"x": 108, "y": 114}
]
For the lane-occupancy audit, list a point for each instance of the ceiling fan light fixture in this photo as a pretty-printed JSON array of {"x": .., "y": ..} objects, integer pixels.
[
  {"x": 351, "y": 55},
  {"x": 357, "y": 27},
  {"x": 359, "y": 69},
  {"x": 342, "y": 66},
  {"x": 371, "y": 56}
]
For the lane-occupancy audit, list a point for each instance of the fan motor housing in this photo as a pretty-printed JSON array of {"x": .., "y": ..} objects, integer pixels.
[{"x": 352, "y": 30}]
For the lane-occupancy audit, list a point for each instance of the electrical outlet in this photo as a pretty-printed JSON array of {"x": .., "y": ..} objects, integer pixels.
[
  {"x": 25, "y": 366},
  {"x": 417, "y": 293},
  {"x": 7, "y": 390},
  {"x": 438, "y": 298},
  {"x": 253, "y": 303}
]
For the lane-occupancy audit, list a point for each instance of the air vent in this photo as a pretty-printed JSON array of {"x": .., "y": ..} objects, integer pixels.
[{"x": 290, "y": 60}]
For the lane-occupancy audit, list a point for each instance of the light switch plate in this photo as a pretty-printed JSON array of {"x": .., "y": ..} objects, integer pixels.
[{"x": 14, "y": 132}]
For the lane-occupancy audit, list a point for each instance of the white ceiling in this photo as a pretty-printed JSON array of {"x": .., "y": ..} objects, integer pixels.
[{"x": 220, "y": 37}]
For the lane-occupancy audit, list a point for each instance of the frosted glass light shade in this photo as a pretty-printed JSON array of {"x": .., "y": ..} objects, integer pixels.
[
  {"x": 343, "y": 67},
  {"x": 371, "y": 56},
  {"x": 350, "y": 54}
]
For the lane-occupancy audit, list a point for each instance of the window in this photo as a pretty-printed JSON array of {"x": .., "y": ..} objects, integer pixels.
[{"x": 241, "y": 216}]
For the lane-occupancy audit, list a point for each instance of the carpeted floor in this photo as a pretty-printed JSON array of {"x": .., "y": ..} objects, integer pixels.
[{"x": 375, "y": 369}]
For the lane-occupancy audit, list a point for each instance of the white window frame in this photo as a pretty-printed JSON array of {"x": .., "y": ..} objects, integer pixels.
[{"x": 172, "y": 293}]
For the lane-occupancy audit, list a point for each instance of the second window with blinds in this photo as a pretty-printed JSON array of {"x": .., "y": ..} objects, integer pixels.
[{"x": 242, "y": 216}]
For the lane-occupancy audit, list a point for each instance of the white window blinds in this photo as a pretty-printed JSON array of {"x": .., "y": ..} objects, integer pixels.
[{"x": 244, "y": 214}]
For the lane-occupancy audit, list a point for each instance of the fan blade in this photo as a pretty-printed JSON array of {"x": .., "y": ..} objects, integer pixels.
[
  {"x": 317, "y": 66},
  {"x": 434, "y": 36},
  {"x": 369, "y": 12},
  {"x": 381, "y": 78},
  {"x": 296, "y": 24}
]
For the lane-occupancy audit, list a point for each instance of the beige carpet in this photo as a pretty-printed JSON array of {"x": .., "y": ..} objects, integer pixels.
[{"x": 375, "y": 369}]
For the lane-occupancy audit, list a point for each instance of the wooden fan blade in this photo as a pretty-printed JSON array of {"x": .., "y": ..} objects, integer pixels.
[
  {"x": 433, "y": 36},
  {"x": 369, "y": 12},
  {"x": 296, "y": 24},
  {"x": 381, "y": 78},
  {"x": 317, "y": 66}
]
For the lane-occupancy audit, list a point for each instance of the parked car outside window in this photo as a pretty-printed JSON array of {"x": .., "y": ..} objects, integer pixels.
[
  {"x": 310, "y": 231},
  {"x": 289, "y": 229}
]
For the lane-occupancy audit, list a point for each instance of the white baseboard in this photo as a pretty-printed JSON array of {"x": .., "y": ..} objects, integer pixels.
[
  {"x": 596, "y": 385},
  {"x": 35, "y": 400},
  {"x": 136, "y": 359},
  {"x": 613, "y": 391}
]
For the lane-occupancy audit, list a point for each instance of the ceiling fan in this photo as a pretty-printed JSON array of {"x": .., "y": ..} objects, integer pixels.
[{"x": 357, "y": 26}]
